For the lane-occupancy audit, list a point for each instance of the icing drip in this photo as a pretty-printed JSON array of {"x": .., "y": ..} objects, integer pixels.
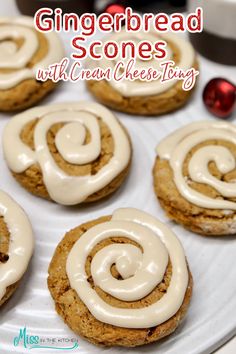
[
  {"x": 16, "y": 59},
  {"x": 78, "y": 118},
  {"x": 141, "y": 88},
  {"x": 21, "y": 242},
  {"x": 141, "y": 271},
  {"x": 176, "y": 147}
]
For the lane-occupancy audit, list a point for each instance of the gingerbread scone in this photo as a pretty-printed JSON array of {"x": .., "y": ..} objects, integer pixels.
[
  {"x": 22, "y": 51},
  {"x": 16, "y": 245},
  {"x": 121, "y": 280},
  {"x": 194, "y": 177},
  {"x": 69, "y": 153},
  {"x": 145, "y": 97}
]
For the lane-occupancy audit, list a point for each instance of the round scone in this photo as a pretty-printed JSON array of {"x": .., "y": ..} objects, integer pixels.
[
  {"x": 194, "y": 177},
  {"x": 69, "y": 153},
  {"x": 15, "y": 234},
  {"x": 24, "y": 50},
  {"x": 121, "y": 280},
  {"x": 144, "y": 97}
]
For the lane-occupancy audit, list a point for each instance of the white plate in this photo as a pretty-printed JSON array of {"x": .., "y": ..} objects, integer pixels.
[{"x": 211, "y": 319}]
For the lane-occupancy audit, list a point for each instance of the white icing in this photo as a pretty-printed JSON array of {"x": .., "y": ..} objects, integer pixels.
[
  {"x": 142, "y": 270},
  {"x": 176, "y": 147},
  {"x": 21, "y": 242},
  {"x": 78, "y": 118},
  {"x": 16, "y": 59},
  {"x": 219, "y": 16},
  {"x": 130, "y": 88}
]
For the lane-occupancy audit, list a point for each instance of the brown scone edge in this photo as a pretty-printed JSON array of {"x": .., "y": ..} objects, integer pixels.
[
  {"x": 208, "y": 222},
  {"x": 163, "y": 103},
  {"x": 4, "y": 246},
  {"x": 77, "y": 316},
  {"x": 32, "y": 178},
  {"x": 28, "y": 92}
]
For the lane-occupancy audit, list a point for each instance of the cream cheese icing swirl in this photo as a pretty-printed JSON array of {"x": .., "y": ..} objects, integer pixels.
[
  {"x": 176, "y": 147},
  {"x": 16, "y": 58},
  {"x": 78, "y": 119},
  {"x": 130, "y": 88},
  {"x": 141, "y": 270},
  {"x": 21, "y": 242}
]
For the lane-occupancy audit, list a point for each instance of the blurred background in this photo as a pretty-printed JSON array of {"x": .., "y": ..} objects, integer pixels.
[{"x": 28, "y": 7}]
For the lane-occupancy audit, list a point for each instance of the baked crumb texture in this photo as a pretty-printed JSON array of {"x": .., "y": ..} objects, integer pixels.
[
  {"x": 208, "y": 222},
  {"x": 28, "y": 92},
  {"x": 163, "y": 103},
  {"x": 4, "y": 247},
  {"x": 77, "y": 316},
  {"x": 32, "y": 178}
]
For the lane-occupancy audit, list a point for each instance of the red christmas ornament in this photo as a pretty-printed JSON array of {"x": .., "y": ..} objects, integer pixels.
[
  {"x": 219, "y": 97},
  {"x": 113, "y": 9}
]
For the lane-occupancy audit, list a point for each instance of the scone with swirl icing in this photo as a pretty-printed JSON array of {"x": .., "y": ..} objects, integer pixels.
[
  {"x": 145, "y": 97},
  {"x": 194, "y": 177},
  {"x": 16, "y": 245},
  {"x": 22, "y": 51},
  {"x": 69, "y": 153},
  {"x": 121, "y": 280}
]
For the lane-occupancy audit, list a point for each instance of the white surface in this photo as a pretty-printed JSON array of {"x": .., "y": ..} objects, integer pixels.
[
  {"x": 211, "y": 319},
  {"x": 228, "y": 348}
]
